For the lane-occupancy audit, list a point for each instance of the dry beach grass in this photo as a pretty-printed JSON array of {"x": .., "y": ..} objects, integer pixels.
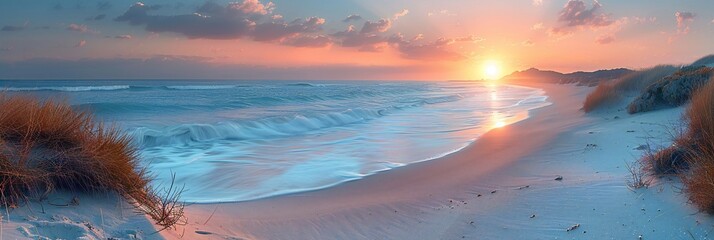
[
  {"x": 48, "y": 145},
  {"x": 612, "y": 91},
  {"x": 699, "y": 180},
  {"x": 691, "y": 155}
]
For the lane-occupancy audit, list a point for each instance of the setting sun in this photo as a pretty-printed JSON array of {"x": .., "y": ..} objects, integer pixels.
[{"x": 491, "y": 70}]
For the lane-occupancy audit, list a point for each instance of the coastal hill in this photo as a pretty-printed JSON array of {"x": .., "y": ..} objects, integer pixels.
[{"x": 580, "y": 77}]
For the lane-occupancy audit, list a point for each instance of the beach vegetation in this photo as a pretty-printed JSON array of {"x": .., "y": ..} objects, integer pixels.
[
  {"x": 638, "y": 175},
  {"x": 610, "y": 92},
  {"x": 46, "y": 145},
  {"x": 671, "y": 91},
  {"x": 699, "y": 179}
]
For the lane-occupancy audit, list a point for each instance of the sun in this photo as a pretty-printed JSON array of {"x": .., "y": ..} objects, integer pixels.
[{"x": 491, "y": 70}]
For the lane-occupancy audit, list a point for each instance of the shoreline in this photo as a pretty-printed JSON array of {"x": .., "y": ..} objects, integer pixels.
[
  {"x": 405, "y": 185},
  {"x": 521, "y": 116},
  {"x": 559, "y": 174}
]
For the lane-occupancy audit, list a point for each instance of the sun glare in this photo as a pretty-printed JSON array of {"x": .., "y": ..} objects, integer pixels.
[{"x": 491, "y": 70}]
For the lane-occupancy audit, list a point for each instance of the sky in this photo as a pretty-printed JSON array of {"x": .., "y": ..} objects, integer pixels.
[{"x": 349, "y": 39}]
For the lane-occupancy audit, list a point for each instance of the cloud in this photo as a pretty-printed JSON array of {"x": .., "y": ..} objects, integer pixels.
[
  {"x": 251, "y": 19},
  {"x": 437, "y": 50},
  {"x": 352, "y": 17},
  {"x": 77, "y": 28},
  {"x": 537, "y": 2},
  {"x": 575, "y": 14},
  {"x": 684, "y": 19},
  {"x": 379, "y": 26},
  {"x": 470, "y": 38},
  {"x": 252, "y": 7},
  {"x": 528, "y": 43},
  {"x": 370, "y": 38},
  {"x": 363, "y": 40},
  {"x": 10, "y": 28},
  {"x": 400, "y": 14},
  {"x": 433, "y": 51},
  {"x": 605, "y": 39},
  {"x": 247, "y": 19},
  {"x": 126, "y": 36},
  {"x": 279, "y": 30},
  {"x": 80, "y": 44},
  {"x": 367, "y": 38},
  {"x": 442, "y": 12},
  {"x": 537, "y": 26},
  {"x": 211, "y": 21},
  {"x": 639, "y": 20}
]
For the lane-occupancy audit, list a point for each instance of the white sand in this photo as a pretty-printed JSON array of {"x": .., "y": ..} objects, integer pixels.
[
  {"x": 94, "y": 217},
  {"x": 451, "y": 197}
]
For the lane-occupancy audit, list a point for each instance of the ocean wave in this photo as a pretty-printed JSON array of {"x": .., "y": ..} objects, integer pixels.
[
  {"x": 270, "y": 127},
  {"x": 201, "y": 87},
  {"x": 305, "y": 85},
  {"x": 443, "y": 99},
  {"x": 69, "y": 88},
  {"x": 117, "y": 87},
  {"x": 254, "y": 129},
  {"x": 116, "y": 108}
]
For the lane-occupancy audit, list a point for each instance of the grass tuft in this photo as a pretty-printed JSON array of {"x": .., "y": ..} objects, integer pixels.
[
  {"x": 638, "y": 177},
  {"x": 48, "y": 145},
  {"x": 611, "y": 92},
  {"x": 699, "y": 180}
]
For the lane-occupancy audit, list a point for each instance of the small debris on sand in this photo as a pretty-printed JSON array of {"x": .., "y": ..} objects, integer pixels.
[
  {"x": 630, "y": 131},
  {"x": 533, "y": 216},
  {"x": 559, "y": 178},
  {"x": 641, "y": 147},
  {"x": 494, "y": 191},
  {"x": 523, "y": 187},
  {"x": 590, "y": 146},
  {"x": 571, "y": 228}
]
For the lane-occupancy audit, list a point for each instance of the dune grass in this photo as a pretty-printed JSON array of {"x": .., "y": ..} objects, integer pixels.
[
  {"x": 612, "y": 91},
  {"x": 691, "y": 155},
  {"x": 48, "y": 145},
  {"x": 699, "y": 180}
]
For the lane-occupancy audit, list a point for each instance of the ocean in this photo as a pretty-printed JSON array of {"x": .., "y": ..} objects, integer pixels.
[{"x": 229, "y": 141}]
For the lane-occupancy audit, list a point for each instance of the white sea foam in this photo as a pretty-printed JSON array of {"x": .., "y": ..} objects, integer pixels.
[
  {"x": 68, "y": 88},
  {"x": 200, "y": 87}
]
